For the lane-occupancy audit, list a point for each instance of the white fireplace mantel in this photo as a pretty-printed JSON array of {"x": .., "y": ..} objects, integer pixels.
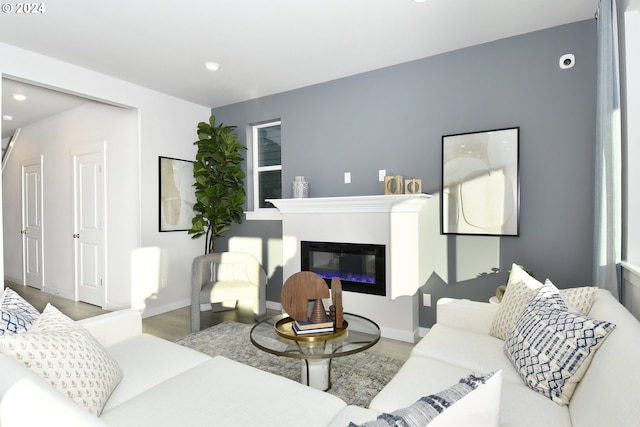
[
  {"x": 353, "y": 204},
  {"x": 396, "y": 221}
]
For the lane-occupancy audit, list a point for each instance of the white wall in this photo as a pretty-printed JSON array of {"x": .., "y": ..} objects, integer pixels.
[
  {"x": 166, "y": 126},
  {"x": 53, "y": 139}
]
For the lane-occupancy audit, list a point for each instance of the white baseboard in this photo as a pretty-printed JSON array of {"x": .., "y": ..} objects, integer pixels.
[
  {"x": 273, "y": 305},
  {"x": 396, "y": 334},
  {"x": 59, "y": 292},
  {"x": 13, "y": 280},
  {"x": 154, "y": 311},
  {"x": 423, "y": 331}
]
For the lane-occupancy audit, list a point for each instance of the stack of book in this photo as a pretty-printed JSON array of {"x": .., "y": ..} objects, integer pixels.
[{"x": 305, "y": 328}]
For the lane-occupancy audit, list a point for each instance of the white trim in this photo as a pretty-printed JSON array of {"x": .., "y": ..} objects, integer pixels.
[
  {"x": 255, "y": 159},
  {"x": 266, "y": 214},
  {"x": 357, "y": 204}
]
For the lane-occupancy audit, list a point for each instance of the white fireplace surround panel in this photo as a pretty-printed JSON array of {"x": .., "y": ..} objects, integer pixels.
[{"x": 397, "y": 221}]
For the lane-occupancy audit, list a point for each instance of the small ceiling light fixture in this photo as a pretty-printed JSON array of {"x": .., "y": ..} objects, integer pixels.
[
  {"x": 418, "y": 1},
  {"x": 212, "y": 66},
  {"x": 19, "y": 97},
  {"x": 7, "y": 117}
]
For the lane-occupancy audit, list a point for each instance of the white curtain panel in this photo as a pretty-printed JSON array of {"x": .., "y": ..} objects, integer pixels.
[{"x": 608, "y": 194}]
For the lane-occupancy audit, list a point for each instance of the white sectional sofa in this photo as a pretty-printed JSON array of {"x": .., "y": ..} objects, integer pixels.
[
  {"x": 165, "y": 384},
  {"x": 459, "y": 343}
]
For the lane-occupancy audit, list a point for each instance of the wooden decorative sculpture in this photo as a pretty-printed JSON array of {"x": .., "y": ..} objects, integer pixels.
[
  {"x": 336, "y": 308},
  {"x": 413, "y": 186},
  {"x": 393, "y": 184},
  {"x": 298, "y": 290}
]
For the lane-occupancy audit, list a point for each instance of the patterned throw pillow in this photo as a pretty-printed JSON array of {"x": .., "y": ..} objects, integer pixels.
[
  {"x": 521, "y": 287},
  {"x": 16, "y": 314},
  {"x": 580, "y": 298},
  {"x": 551, "y": 347},
  {"x": 426, "y": 409},
  {"x": 68, "y": 357}
]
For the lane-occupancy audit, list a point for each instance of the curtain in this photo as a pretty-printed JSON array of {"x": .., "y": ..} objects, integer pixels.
[{"x": 608, "y": 173}]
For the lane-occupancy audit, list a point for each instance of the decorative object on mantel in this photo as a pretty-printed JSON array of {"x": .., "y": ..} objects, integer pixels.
[
  {"x": 413, "y": 186},
  {"x": 300, "y": 188},
  {"x": 480, "y": 183},
  {"x": 393, "y": 184}
]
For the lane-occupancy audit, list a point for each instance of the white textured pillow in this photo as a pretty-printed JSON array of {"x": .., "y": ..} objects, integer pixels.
[
  {"x": 551, "y": 347},
  {"x": 68, "y": 357},
  {"x": 472, "y": 401},
  {"x": 521, "y": 287},
  {"x": 16, "y": 314}
]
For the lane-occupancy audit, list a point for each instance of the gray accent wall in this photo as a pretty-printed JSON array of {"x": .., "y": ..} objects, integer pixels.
[{"x": 394, "y": 119}]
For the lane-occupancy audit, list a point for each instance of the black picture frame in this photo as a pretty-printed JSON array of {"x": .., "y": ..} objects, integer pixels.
[
  {"x": 177, "y": 195},
  {"x": 480, "y": 192}
]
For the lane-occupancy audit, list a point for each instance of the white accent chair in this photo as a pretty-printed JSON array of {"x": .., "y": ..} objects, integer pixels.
[{"x": 224, "y": 277}]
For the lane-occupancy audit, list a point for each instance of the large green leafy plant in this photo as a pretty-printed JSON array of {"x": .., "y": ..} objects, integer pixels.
[{"x": 220, "y": 193}]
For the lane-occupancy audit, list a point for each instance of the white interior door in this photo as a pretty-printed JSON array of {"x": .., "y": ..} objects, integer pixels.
[
  {"x": 89, "y": 226},
  {"x": 32, "y": 242}
]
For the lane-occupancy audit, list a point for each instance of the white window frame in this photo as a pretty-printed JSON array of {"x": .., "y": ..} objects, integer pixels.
[{"x": 259, "y": 213}]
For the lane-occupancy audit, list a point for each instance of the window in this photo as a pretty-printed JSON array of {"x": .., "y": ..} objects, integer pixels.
[{"x": 267, "y": 164}]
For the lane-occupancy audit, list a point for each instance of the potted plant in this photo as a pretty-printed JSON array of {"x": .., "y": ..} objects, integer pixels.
[{"x": 219, "y": 182}]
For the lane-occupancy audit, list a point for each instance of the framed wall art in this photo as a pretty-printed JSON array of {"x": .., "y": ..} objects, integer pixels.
[
  {"x": 480, "y": 183},
  {"x": 177, "y": 194}
]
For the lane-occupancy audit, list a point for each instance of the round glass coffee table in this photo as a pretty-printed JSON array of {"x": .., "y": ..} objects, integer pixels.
[{"x": 274, "y": 336}]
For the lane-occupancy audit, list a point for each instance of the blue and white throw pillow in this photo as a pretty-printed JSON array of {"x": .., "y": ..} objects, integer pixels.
[
  {"x": 16, "y": 314},
  {"x": 426, "y": 409},
  {"x": 552, "y": 347}
]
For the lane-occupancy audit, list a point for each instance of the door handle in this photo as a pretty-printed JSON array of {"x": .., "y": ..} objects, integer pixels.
[
  {"x": 76, "y": 236},
  {"x": 23, "y": 231}
]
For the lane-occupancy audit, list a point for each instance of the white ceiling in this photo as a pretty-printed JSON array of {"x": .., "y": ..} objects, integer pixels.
[{"x": 267, "y": 47}]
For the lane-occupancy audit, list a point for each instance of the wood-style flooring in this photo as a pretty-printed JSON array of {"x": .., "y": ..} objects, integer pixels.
[{"x": 176, "y": 324}]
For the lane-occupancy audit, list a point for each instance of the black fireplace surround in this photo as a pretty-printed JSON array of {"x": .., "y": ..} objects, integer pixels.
[{"x": 360, "y": 267}]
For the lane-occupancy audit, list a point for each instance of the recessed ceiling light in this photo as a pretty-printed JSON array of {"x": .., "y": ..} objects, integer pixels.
[
  {"x": 419, "y": 1},
  {"x": 7, "y": 117},
  {"x": 212, "y": 66},
  {"x": 19, "y": 97}
]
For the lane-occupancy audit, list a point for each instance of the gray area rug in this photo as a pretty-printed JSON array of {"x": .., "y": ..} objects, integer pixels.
[{"x": 356, "y": 379}]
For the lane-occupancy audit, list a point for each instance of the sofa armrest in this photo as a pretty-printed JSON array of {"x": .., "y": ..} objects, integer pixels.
[
  {"x": 464, "y": 314},
  {"x": 112, "y": 328}
]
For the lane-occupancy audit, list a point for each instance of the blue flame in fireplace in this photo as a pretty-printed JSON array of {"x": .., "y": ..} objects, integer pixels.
[{"x": 346, "y": 276}]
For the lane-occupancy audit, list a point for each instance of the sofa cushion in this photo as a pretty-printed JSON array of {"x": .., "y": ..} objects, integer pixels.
[
  {"x": 454, "y": 346},
  {"x": 608, "y": 393},
  {"x": 67, "y": 356},
  {"x": 16, "y": 314},
  {"x": 520, "y": 406},
  {"x": 552, "y": 347},
  {"x": 146, "y": 361},
  {"x": 474, "y": 400},
  {"x": 521, "y": 287},
  {"x": 222, "y": 392}
]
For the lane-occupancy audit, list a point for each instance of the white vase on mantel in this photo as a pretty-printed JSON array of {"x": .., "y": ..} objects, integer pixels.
[{"x": 300, "y": 188}]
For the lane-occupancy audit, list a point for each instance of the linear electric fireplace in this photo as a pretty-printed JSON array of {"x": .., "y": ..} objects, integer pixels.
[{"x": 360, "y": 267}]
